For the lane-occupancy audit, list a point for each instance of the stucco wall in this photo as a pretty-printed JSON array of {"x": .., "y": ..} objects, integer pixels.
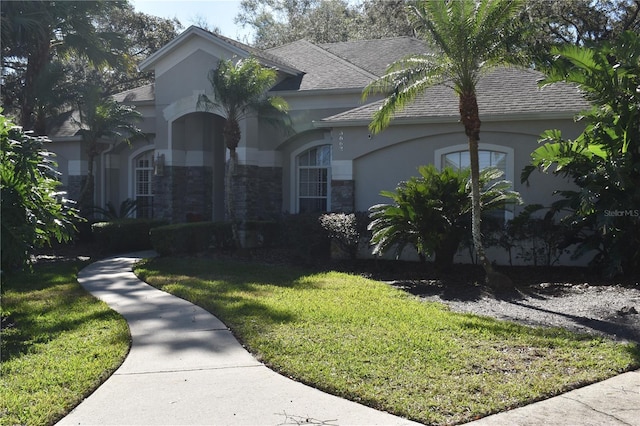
[{"x": 381, "y": 161}]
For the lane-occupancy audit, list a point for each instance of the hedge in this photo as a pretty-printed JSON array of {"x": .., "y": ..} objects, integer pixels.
[
  {"x": 188, "y": 238},
  {"x": 124, "y": 235}
]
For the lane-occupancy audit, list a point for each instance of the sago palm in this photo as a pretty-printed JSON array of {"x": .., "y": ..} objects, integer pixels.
[
  {"x": 469, "y": 37},
  {"x": 432, "y": 212},
  {"x": 240, "y": 89}
]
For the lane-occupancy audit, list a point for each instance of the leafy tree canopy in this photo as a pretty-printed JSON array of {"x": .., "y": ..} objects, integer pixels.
[
  {"x": 604, "y": 161},
  {"x": 278, "y": 22},
  {"x": 50, "y": 49},
  {"x": 576, "y": 22},
  {"x": 551, "y": 23}
]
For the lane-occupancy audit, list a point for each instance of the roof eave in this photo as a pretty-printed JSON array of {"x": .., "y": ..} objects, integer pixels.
[
  {"x": 340, "y": 91},
  {"x": 490, "y": 118}
]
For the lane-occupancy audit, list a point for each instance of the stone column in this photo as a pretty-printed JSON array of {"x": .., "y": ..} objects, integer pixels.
[{"x": 342, "y": 196}]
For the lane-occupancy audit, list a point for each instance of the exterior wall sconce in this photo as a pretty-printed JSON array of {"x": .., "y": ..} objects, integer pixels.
[{"x": 158, "y": 167}]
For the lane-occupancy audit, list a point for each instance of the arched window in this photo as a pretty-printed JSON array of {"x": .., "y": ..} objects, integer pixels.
[
  {"x": 143, "y": 184},
  {"x": 313, "y": 172},
  {"x": 460, "y": 160},
  {"x": 489, "y": 155}
]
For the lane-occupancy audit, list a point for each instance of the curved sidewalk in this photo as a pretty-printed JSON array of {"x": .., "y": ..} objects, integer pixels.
[{"x": 186, "y": 368}]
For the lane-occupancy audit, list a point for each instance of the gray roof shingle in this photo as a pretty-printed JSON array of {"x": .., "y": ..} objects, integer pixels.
[
  {"x": 376, "y": 55},
  {"x": 322, "y": 69},
  {"x": 264, "y": 55},
  {"x": 144, "y": 93},
  {"x": 65, "y": 125},
  {"x": 503, "y": 91}
]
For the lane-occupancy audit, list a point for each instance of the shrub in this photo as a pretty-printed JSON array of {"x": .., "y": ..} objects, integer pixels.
[
  {"x": 604, "y": 160},
  {"x": 33, "y": 211},
  {"x": 304, "y": 237},
  {"x": 188, "y": 238},
  {"x": 432, "y": 212},
  {"x": 262, "y": 233},
  {"x": 109, "y": 213},
  {"x": 125, "y": 235},
  {"x": 538, "y": 239},
  {"x": 343, "y": 230}
]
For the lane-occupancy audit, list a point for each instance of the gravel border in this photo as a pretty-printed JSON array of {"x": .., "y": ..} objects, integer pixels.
[{"x": 609, "y": 311}]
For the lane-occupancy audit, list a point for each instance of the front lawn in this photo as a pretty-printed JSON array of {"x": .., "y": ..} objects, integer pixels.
[
  {"x": 58, "y": 344},
  {"x": 371, "y": 343}
]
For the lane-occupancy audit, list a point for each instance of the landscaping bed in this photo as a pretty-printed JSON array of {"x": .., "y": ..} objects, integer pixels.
[
  {"x": 369, "y": 342},
  {"x": 574, "y": 298}
]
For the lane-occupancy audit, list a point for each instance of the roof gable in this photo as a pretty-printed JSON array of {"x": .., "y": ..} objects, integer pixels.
[{"x": 194, "y": 38}]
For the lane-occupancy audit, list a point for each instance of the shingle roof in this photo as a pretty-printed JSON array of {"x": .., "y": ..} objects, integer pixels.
[
  {"x": 144, "y": 93},
  {"x": 376, "y": 55},
  {"x": 64, "y": 125},
  {"x": 263, "y": 55},
  {"x": 322, "y": 69},
  {"x": 503, "y": 91}
]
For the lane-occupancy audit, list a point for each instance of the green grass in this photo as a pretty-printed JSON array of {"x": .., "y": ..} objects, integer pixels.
[
  {"x": 371, "y": 343},
  {"x": 58, "y": 344}
]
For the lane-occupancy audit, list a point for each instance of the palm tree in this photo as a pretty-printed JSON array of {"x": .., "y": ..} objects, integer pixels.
[
  {"x": 102, "y": 118},
  {"x": 239, "y": 89},
  {"x": 36, "y": 33},
  {"x": 469, "y": 38}
]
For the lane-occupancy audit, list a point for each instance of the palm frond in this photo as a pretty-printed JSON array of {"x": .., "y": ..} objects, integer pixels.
[{"x": 403, "y": 82}]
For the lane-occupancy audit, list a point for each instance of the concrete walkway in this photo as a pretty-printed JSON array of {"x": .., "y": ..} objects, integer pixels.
[{"x": 185, "y": 367}]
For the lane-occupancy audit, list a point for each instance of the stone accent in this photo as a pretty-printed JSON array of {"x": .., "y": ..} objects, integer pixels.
[
  {"x": 74, "y": 186},
  {"x": 183, "y": 194},
  {"x": 258, "y": 192},
  {"x": 343, "y": 196},
  {"x": 162, "y": 194}
]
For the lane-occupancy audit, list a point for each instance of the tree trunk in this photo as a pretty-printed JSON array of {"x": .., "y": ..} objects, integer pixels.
[
  {"x": 445, "y": 253},
  {"x": 229, "y": 195},
  {"x": 231, "y": 135},
  {"x": 469, "y": 114},
  {"x": 35, "y": 64}
]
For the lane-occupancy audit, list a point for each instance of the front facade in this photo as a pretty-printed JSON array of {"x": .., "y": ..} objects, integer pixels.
[{"x": 330, "y": 161}]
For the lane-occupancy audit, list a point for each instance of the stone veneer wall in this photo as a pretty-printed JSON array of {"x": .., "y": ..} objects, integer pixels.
[
  {"x": 258, "y": 192},
  {"x": 162, "y": 192},
  {"x": 183, "y": 194},
  {"x": 74, "y": 186},
  {"x": 342, "y": 196}
]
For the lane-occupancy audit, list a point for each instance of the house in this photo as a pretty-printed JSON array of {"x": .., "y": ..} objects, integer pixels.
[{"x": 331, "y": 162}]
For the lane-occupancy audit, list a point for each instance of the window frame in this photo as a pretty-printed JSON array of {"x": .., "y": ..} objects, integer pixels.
[
  {"x": 133, "y": 181},
  {"x": 508, "y": 151},
  {"x": 295, "y": 172}
]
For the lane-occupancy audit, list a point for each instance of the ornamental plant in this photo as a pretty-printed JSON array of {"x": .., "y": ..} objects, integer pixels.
[
  {"x": 34, "y": 211},
  {"x": 432, "y": 212},
  {"x": 603, "y": 212}
]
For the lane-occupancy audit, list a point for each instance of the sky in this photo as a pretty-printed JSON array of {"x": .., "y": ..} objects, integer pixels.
[{"x": 217, "y": 13}]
